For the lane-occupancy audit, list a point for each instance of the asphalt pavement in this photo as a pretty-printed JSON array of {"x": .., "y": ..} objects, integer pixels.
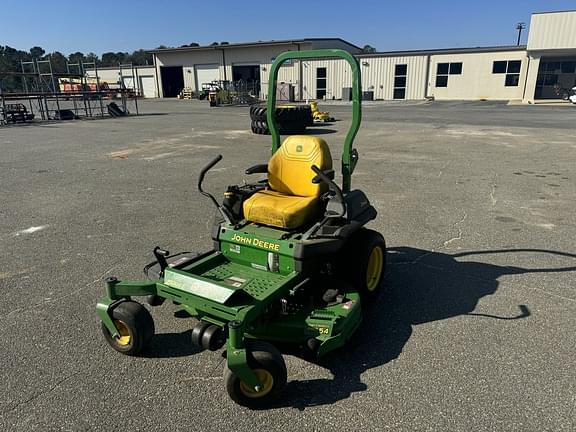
[{"x": 476, "y": 202}]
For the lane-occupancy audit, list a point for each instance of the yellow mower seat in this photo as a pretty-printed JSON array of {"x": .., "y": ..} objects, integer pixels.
[{"x": 291, "y": 200}]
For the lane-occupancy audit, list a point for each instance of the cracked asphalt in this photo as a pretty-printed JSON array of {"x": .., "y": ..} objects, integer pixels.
[{"x": 476, "y": 201}]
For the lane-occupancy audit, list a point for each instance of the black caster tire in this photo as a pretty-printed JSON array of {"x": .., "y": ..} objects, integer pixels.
[
  {"x": 268, "y": 364},
  {"x": 135, "y": 325},
  {"x": 213, "y": 338},
  {"x": 154, "y": 300},
  {"x": 363, "y": 262},
  {"x": 197, "y": 333}
]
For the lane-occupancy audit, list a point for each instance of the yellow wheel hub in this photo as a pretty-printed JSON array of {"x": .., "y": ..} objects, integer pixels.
[
  {"x": 124, "y": 337},
  {"x": 265, "y": 378},
  {"x": 374, "y": 269}
]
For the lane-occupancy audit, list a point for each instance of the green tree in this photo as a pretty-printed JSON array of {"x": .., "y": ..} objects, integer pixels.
[
  {"x": 10, "y": 59},
  {"x": 110, "y": 59},
  {"x": 140, "y": 57},
  {"x": 368, "y": 49},
  {"x": 91, "y": 57},
  {"x": 77, "y": 57},
  {"x": 58, "y": 61},
  {"x": 37, "y": 52}
]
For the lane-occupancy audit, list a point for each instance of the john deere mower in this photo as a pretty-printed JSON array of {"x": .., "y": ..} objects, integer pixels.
[{"x": 290, "y": 272}]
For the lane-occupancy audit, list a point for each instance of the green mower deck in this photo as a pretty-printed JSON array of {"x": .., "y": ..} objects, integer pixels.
[{"x": 236, "y": 286}]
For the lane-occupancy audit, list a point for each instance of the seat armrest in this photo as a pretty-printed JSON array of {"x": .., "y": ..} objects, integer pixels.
[
  {"x": 257, "y": 169},
  {"x": 327, "y": 173}
]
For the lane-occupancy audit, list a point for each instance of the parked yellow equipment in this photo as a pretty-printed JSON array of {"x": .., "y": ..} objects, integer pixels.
[{"x": 320, "y": 116}]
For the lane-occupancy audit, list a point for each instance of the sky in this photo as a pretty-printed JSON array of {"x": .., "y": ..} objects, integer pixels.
[{"x": 127, "y": 25}]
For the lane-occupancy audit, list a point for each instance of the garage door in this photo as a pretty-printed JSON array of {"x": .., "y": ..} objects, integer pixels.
[
  {"x": 206, "y": 73},
  {"x": 147, "y": 86}
]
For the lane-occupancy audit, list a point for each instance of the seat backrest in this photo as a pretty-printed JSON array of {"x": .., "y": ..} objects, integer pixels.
[{"x": 289, "y": 169}]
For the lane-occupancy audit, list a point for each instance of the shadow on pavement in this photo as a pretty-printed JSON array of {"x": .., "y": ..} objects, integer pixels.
[
  {"x": 423, "y": 286},
  {"x": 319, "y": 131},
  {"x": 170, "y": 345}
]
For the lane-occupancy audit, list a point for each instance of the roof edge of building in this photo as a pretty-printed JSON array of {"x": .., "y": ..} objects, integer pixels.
[
  {"x": 250, "y": 44},
  {"x": 553, "y": 12},
  {"x": 444, "y": 51},
  {"x": 118, "y": 67}
]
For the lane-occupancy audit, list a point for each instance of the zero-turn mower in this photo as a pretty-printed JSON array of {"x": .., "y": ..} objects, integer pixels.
[{"x": 291, "y": 268}]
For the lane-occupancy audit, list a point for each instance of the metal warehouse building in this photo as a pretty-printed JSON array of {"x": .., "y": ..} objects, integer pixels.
[
  {"x": 192, "y": 66},
  {"x": 525, "y": 73},
  {"x": 142, "y": 78}
]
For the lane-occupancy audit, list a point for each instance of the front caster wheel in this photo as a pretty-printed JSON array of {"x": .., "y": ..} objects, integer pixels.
[
  {"x": 135, "y": 327},
  {"x": 268, "y": 365}
]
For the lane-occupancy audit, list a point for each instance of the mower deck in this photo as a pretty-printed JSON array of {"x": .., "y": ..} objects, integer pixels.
[{"x": 217, "y": 290}]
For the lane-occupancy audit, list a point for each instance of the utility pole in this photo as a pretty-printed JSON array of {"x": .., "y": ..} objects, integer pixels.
[{"x": 520, "y": 26}]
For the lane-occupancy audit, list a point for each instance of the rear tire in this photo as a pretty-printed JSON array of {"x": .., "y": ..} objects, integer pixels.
[{"x": 363, "y": 262}]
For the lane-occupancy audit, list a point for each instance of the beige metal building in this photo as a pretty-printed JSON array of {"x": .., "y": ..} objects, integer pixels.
[
  {"x": 527, "y": 73},
  {"x": 142, "y": 79},
  {"x": 193, "y": 66},
  {"x": 551, "y": 54},
  {"x": 459, "y": 74}
]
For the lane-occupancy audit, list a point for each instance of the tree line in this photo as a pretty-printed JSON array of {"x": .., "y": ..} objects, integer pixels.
[{"x": 10, "y": 59}]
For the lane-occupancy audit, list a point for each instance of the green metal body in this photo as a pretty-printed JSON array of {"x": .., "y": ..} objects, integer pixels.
[
  {"x": 241, "y": 285},
  {"x": 349, "y": 154},
  {"x": 235, "y": 284}
]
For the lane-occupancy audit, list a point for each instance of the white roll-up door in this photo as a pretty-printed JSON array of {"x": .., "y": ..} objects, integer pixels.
[
  {"x": 147, "y": 86},
  {"x": 206, "y": 73}
]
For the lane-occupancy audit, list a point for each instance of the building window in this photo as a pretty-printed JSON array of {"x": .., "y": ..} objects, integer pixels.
[
  {"x": 320, "y": 82},
  {"x": 499, "y": 67},
  {"x": 445, "y": 69},
  {"x": 514, "y": 66},
  {"x": 441, "y": 80},
  {"x": 455, "y": 68},
  {"x": 401, "y": 69},
  {"x": 509, "y": 67},
  {"x": 512, "y": 80},
  {"x": 400, "y": 74},
  {"x": 399, "y": 93}
]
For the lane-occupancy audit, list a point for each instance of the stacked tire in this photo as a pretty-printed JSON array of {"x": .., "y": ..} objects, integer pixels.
[{"x": 291, "y": 119}]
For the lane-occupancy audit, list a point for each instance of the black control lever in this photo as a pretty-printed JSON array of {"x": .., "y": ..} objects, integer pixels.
[
  {"x": 203, "y": 174},
  {"x": 161, "y": 255},
  {"x": 223, "y": 211},
  {"x": 333, "y": 186}
]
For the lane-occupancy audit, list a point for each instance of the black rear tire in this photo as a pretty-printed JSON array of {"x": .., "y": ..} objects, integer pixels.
[{"x": 362, "y": 263}]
